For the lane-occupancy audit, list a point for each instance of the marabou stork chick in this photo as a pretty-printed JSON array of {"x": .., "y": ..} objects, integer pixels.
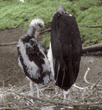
[
  {"x": 32, "y": 56},
  {"x": 66, "y": 48}
]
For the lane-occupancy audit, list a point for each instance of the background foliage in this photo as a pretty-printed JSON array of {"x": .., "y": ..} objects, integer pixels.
[{"x": 14, "y": 13}]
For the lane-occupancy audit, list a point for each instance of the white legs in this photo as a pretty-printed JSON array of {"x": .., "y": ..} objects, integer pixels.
[
  {"x": 37, "y": 87},
  {"x": 65, "y": 93},
  {"x": 69, "y": 96},
  {"x": 31, "y": 90}
]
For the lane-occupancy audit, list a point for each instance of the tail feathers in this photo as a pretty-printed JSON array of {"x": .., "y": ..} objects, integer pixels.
[
  {"x": 64, "y": 77},
  {"x": 58, "y": 68}
]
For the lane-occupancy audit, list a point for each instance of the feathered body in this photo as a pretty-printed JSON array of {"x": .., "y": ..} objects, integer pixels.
[
  {"x": 66, "y": 49},
  {"x": 32, "y": 56}
]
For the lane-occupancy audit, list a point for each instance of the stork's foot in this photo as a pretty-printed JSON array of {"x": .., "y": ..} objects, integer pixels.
[
  {"x": 57, "y": 90},
  {"x": 69, "y": 99}
]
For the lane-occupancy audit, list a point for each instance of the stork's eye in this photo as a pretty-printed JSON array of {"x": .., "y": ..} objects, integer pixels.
[{"x": 40, "y": 26}]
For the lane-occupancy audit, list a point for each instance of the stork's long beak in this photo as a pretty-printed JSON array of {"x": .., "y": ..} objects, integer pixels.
[{"x": 37, "y": 34}]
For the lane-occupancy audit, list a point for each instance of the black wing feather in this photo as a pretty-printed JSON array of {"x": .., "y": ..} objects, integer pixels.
[{"x": 66, "y": 49}]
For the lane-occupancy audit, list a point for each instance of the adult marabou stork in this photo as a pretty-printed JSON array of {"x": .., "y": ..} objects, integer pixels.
[
  {"x": 66, "y": 49},
  {"x": 32, "y": 56}
]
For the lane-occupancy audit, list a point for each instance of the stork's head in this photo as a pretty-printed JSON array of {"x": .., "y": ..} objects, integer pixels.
[
  {"x": 61, "y": 9},
  {"x": 35, "y": 27}
]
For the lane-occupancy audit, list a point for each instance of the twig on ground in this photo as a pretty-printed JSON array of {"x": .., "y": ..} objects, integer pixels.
[
  {"x": 47, "y": 101},
  {"x": 14, "y": 43},
  {"x": 22, "y": 88},
  {"x": 85, "y": 96},
  {"x": 10, "y": 108},
  {"x": 88, "y": 69},
  {"x": 85, "y": 42},
  {"x": 94, "y": 26},
  {"x": 96, "y": 83},
  {"x": 80, "y": 87},
  {"x": 6, "y": 44}
]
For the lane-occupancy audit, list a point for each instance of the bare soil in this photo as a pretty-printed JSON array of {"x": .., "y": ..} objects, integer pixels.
[{"x": 11, "y": 73}]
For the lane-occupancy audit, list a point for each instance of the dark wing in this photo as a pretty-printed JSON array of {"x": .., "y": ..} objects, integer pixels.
[
  {"x": 31, "y": 49},
  {"x": 34, "y": 53},
  {"x": 66, "y": 54},
  {"x": 76, "y": 48}
]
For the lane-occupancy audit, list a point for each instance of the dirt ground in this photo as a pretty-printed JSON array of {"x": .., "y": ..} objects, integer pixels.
[{"x": 11, "y": 73}]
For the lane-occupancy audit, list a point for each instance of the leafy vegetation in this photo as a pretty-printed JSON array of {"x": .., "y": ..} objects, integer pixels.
[
  {"x": 46, "y": 39},
  {"x": 14, "y": 13}
]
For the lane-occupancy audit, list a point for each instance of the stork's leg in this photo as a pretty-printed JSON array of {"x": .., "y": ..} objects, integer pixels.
[
  {"x": 69, "y": 96},
  {"x": 56, "y": 90},
  {"x": 65, "y": 93},
  {"x": 37, "y": 87},
  {"x": 31, "y": 90}
]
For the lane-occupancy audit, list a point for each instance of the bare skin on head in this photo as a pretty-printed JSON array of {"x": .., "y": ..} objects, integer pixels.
[
  {"x": 61, "y": 9},
  {"x": 35, "y": 27},
  {"x": 34, "y": 31}
]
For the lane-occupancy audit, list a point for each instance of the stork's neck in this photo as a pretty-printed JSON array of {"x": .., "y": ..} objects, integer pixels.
[
  {"x": 30, "y": 31},
  {"x": 36, "y": 34}
]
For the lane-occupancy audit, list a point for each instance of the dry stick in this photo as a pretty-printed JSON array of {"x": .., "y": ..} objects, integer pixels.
[
  {"x": 13, "y": 102},
  {"x": 50, "y": 102},
  {"x": 10, "y": 108},
  {"x": 47, "y": 101},
  {"x": 63, "y": 104},
  {"x": 34, "y": 98},
  {"x": 6, "y": 44},
  {"x": 46, "y": 30},
  {"x": 96, "y": 82},
  {"x": 94, "y": 26},
  {"x": 86, "y": 75},
  {"x": 20, "y": 95},
  {"x": 56, "y": 95},
  {"x": 22, "y": 88},
  {"x": 13, "y": 43},
  {"x": 23, "y": 97},
  {"x": 93, "y": 85},
  {"x": 80, "y": 87},
  {"x": 85, "y": 42}
]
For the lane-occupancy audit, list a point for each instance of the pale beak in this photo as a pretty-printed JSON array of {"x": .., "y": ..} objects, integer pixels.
[{"x": 36, "y": 34}]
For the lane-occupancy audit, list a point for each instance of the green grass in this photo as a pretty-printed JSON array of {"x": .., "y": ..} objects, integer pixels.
[
  {"x": 14, "y": 13},
  {"x": 46, "y": 39}
]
